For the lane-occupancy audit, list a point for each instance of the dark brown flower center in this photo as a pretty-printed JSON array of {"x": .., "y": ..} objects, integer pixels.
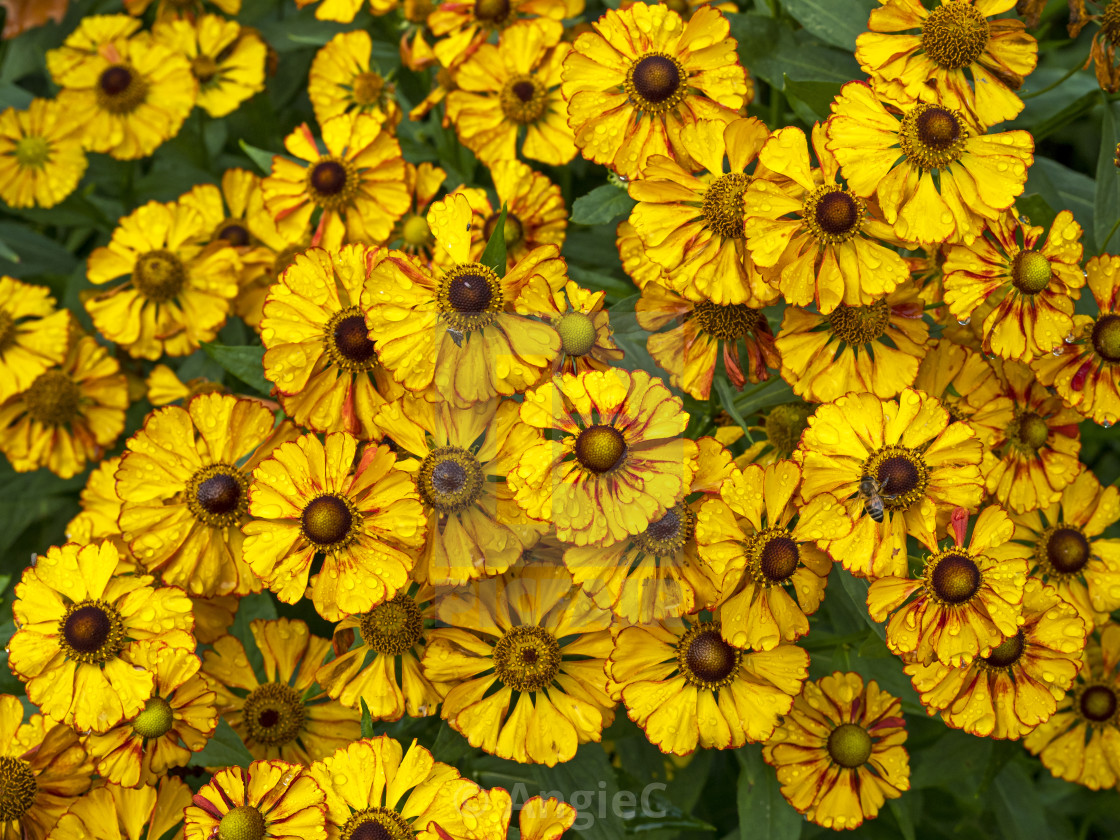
[
  {"x": 159, "y": 275},
  {"x": 955, "y": 578},
  {"x": 376, "y": 824},
  {"x": 241, "y": 823},
  {"x": 938, "y": 128},
  {"x": 120, "y": 89},
  {"x": 1030, "y": 272},
  {"x": 18, "y": 789},
  {"x": 235, "y": 233},
  {"x": 837, "y": 213},
  {"x": 274, "y": 714},
  {"x": 327, "y": 520},
  {"x": 1007, "y": 653},
  {"x": 849, "y": 745},
  {"x": 115, "y": 80},
  {"x": 470, "y": 294},
  {"x": 87, "y": 628},
  {"x": 898, "y": 475},
  {"x": 708, "y": 660},
  {"x": 1106, "y": 337},
  {"x": 219, "y": 494},
  {"x": 1098, "y": 703},
  {"x": 779, "y": 559},
  {"x": 491, "y": 11},
  {"x": 1067, "y": 550},
  {"x": 53, "y": 398},
  {"x": 329, "y": 177},
  {"x": 955, "y": 35},
  {"x": 656, "y": 78},
  {"x": 450, "y": 479},
  {"x": 728, "y": 322},
  {"x": 600, "y": 448},
  {"x": 351, "y": 337}
]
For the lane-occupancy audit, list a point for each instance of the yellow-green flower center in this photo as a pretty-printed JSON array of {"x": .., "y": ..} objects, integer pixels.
[
  {"x": 723, "y": 205},
  {"x": 1030, "y": 272},
  {"x": 1007, "y": 653},
  {"x": 705, "y": 659},
  {"x": 346, "y": 339},
  {"x": 523, "y": 99},
  {"x": 120, "y": 89},
  {"x": 1028, "y": 431},
  {"x": 600, "y": 448},
  {"x": 330, "y": 521},
  {"x": 1106, "y": 337},
  {"x": 367, "y": 88},
  {"x": 218, "y": 495},
  {"x": 18, "y": 788},
  {"x": 954, "y": 578},
  {"x": 91, "y": 632},
  {"x": 667, "y": 536},
  {"x": 156, "y": 720},
  {"x": 784, "y": 425},
  {"x": 415, "y": 231},
  {"x": 1066, "y": 550},
  {"x": 849, "y": 745},
  {"x": 527, "y": 658},
  {"x": 955, "y": 35},
  {"x": 274, "y": 714},
  {"x": 470, "y": 297},
  {"x": 394, "y": 627},
  {"x": 53, "y": 398},
  {"x": 932, "y": 137},
  {"x": 32, "y": 151},
  {"x": 159, "y": 275},
  {"x": 513, "y": 230},
  {"x": 1098, "y": 703},
  {"x": 856, "y": 325},
  {"x": 242, "y": 823},
  {"x": 376, "y": 824},
  {"x": 834, "y": 214},
  {"x": 728, "y": 322},
  {"x": 577, "y": 333},
  {"x": 655, "y": 82},
  {"x": 450, "y": 479}
]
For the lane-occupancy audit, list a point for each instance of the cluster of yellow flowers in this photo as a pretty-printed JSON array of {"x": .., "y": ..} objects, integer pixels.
[{"x": 509, "y": 528}]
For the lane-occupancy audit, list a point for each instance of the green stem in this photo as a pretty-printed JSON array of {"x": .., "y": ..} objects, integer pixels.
[
  {"x": 1108, "y": 238},
  {"x": 1050, "y": 87}
]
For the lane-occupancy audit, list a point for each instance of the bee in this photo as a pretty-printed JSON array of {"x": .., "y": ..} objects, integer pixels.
[
  {"x": 456, "y": 336},
  {"x": 870, "y": 490}
]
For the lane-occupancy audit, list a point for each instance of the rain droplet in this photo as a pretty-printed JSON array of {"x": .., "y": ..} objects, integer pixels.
[{"x": 964, "y": 322}]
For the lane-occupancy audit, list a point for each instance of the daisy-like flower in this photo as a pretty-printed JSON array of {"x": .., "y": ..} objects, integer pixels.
[
  {"x": 317, "y": 346},
  {"x": 1009, "y": 692},
  {"x": 184, "y": 488},
  {"x": 179, "y": 284},
  {"x": 81, "y": 629},
  {"x": 455, "y": 333},
  {"x": 967, "y": 600},
  {"x": 228, "y": 60},
  {"x": 375, "y": 788},
  {"x": 84, "y": 43},
  {"x": 272, "y": 706},
  {"x": 43, "y": 770},
  {"x": 390, "y": 640},
  {"x": 512, "y": 86},
  {"x": 100, "y": 508},
  {"x": 766, "y": 547},
  {"x": 213, "y": 616},
  {"x": 618, "y": 463},
  {"x": 365, "y": 518},
  {"x": 33, "y": 334},
  {"x": 527, "y": 634},
  {"x": 537, "y": 819},
  {"x": 894, "y": 154},
  {"x": 463, "y": 27},
  {"x": 356, "y": 189},
  {"x": 632, "y": 255},
  {"x": 583, "y": 323},
  {"x": 69, "y": 415},
  {"x": 176, "y": 720},
  {"x": 114, "y": 811},
  {"x": 343, "y": 78},
  {"x": 1086, "y": 373},
  {"x": 967, "y": 386},
  {"x": 42, "y": 158},
  {"x": 692, "y": 225},
  {"x": 687, "y": 687},
  {"x": 129, "y": 94},
  {"x": 824, "y": 240},
  {"x": 412, "y": 234},
  {"x": 839, "y": 753},
  {"x": 658, "y": 573},
  {"x": 641, "y": 75},
  {"x": 1030, "y": 289},
  {"x": 922, "y": 464},
  {"x": 268, "y": 800},
  {"x": 874, "y": 349},
  {"x": 460, "y": 460},
  {"x": 775, "y": 437},
  {"x": 1066, "y": 543},
  {"x": 929, "y": 65}
]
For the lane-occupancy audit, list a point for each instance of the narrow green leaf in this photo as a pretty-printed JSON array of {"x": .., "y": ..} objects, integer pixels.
[
  {"x": 495, "y": 254},
  {"x": 245, "y": 362},
  {"x": 856, "y": 590},
  {"x": 1106, "y": 201},
  {"x": 367, "y": 719},
  {"x": 602, "y": 206},
  {"x": 815, "y": 96},
  {"x": 260, "y": 157},
  {"x": 1036, "y": 209},
  {"x": 450, "y": 747},
  {"x": 1074, "y": 111},
  {"x": 224, "y": 749},
  {"x": 763, "y": 811},
  {"x": 836, "y": 22},
  {"x": 727, "y": 400},
  {"x": 772, "y": 49},
  {"x": 6, "y": 253},
  {"x": 902, "y": 809},
  {"x": 1019, "y": 812}
]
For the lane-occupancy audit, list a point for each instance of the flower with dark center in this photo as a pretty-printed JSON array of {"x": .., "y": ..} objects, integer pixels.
[
  {"x": 600, "y": 448},
  {"x": 1097, "y": 704},
  {"x": 205, "y": 69},
  {"x": 368, "y": 88},
  {"x": 274, "y": 714},
  {"x": 492, "y": 12},
  {"x": 1063, "y": 551},
  {"x": 523, "y": 100},
  {"x": 91, "y": 632},
  {"x": 393, "y": 627},
  {"x": 954, "y": 578},
  {"x": 159, "y": 275},
  {"x": 932, "y": 137},
  {"x": 955, "y": 35},
  {"x": 777, "y": 555},
  {"x": 120, "y": 89},
  {"x": 470, "y": 297},
  {"x": 834, "y": 214},
  {"x": 332, "y": 183},
  {"x": 346, "y": 339},
  {"x": 376, "y": 824},
  {"x": 53, "y": 399},
  {"x": 234, "y": 232},
  {"x": 156, "y": 720},
  {"x": 858, "y": 325},
  {"x": 723, "y": 205},
  {"x": 705, "y": 659},
  {"x": 450, "y": 479},
  {"x": 527, "y": 658},
  {"x": 849, "y": 745},
  {"x": 1030, "y": 272},
  {"x": 729, "y": 322},
  {"x": 656, "y": 82},
  {"x": 667, "y": 536},
  {"x": 902, "y": 475},
  {"x": 1006, "y": 653},
  {"x": 1106, "y": 337},
  {"x": 218, "y": 495},
  {"x": 18, "y": 789},
  {"x": 329, "y": 521},
  {"x": 1028, "y": 432}
]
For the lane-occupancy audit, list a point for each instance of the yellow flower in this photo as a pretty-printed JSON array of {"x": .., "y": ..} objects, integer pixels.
[
  {"x": 184, "y": 490},
  {"x": 527, "y": 635},
  {"x": 1066, "y": 543},
  {"x": 687, "y": 687},
  {"x": 179, "y": 287},
  {"x": 600, "y": 482},
  {"x": 213, "y": 616},
  {"x": 830, "y": 252},
  {"x": 839, "y": 753},
  {"x": 642, "y": 75},
  {"x": 1085, "y": 371},
  {"x": 343, "y": 79},
  {"x": 582, "y": 322},
  {"x": 100, "y": 508},
  {"x": 110, "y": 808},
  {"x": 175, "y": 721},
  {"x": 318, "y": 351},
  {"x": 268, "y": 800},
  {"x": 357, "y": 188},
  {"x": 966, "y": 384},
  {"x": 692, "y": 226},
  {"x": 1030, "y": 290},
  {"x": 967, "y": 600},
  {"x": 33, "y": 335},
  {"x": 44, "y": 770},
  {"x": 455, "y": 333},
  {"x": 1009, "y": 692},
  {"x": 894, "y": 154},
  {"x": 69, "y": 415},
  {"x": 874, "y": 349},
  {"x": 375, "y": 788},
  {"x": 390, "y": 641},
  {"x": 923, "y": 466},
  {"x": 463, "y": 27},
  {"x": 765, "y": 548},
  {"x": 128, "y": 94},
  {"x": 1081, "y": 740},
  {"x": 537, "y": 818},
  {"x": 412, "y": 234},
  {"x": 461, "y": 458},
  {"x": 632, "y": 254},
  {"x": 42, "y": 158},
  {"x": 164, "y": 387},
  {"x": 83, "y": 633},
  {"x": 344, "y": 11},
  {"x": 657, "y": 573},
  {"x": 272, "y": 707},
  {"x": 929, "y": 66},
  {"x": 775, "y": 438},
  {"x": 228, "y": 60},
  {"x": 366, "y": 519},
  {"x": 512, "y": 86}
]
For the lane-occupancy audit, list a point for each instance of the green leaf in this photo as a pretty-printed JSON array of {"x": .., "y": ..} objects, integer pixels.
[
  {"x": 1069, "y": 114},
  {"x": 836, "y": 22},
  {"x": 602, "y": 206},
  {"x": 367, "y": 719},
  {"x": 260, "y": 157},
  {"x": 1106, "y": 201},
  {"x": 856, "y": 590},
  {"x": 224, "y": 749},
  {"x": 1019, "y": 813},
  {"x": 249, "y": 608},
  {"x": 1066, "y": 188},
  {"x": 450, "y": 747},
  {"x": 1036, "y": 209},
  {"x": 903, "y": 812},
  {"x": 956, "y": 762},
  {"x": 495, "y": 254},
  {"x": 763, "y": 811},
  {"x": 245, "y": 362},
  {"x": 773, "y": 50},
  {"x": 816, "y": 97}
]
